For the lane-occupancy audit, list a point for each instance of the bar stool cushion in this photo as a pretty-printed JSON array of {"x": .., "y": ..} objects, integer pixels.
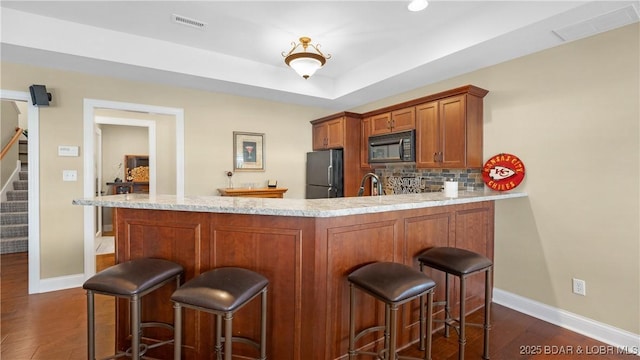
[
  {"x": 222, "y": 289},
  {"x": 391, "y": 282},
  {"x": 133, "y": 277},
  {"x": 454, "y": 261}
]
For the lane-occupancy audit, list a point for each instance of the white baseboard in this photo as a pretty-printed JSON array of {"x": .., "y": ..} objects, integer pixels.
[
  {"x": 576, "y": 323},
  {"x": 61, "y": 283}
]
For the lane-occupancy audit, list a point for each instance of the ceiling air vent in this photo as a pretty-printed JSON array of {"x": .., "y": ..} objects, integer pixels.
[
  {"x": 605, "y": 22},
  {"x": 183, "y": 20}
]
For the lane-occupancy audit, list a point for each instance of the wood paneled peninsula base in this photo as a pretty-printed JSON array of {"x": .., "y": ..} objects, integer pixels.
[{"x": 306, "y": 248}]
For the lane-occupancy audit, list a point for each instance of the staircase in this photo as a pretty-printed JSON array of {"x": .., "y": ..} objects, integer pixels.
[{"x": 14, "y": 213}]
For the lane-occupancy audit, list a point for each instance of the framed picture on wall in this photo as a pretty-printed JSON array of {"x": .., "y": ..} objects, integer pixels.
[{"x": 248, "y": 151}]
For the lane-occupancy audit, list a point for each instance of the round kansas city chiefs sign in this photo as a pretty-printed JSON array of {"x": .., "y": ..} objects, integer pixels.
[{"x": 503, "y": 172}]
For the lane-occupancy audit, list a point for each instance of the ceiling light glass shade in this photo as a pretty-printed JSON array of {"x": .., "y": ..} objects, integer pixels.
[
  {"x": 303, "y": 62},
  {"x": 418, "y": 5}
]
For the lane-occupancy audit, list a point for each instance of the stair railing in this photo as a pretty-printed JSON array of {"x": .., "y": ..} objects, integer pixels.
[{"x": 12, "y": 142}]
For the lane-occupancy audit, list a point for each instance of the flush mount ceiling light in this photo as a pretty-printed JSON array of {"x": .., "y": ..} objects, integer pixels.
[
  {"x": 305, "y": 63},
  {"x": 418, "y": 5}
]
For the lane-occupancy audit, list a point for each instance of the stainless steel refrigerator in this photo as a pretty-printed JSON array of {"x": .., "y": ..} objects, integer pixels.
[{"x": 324, "y": 174}]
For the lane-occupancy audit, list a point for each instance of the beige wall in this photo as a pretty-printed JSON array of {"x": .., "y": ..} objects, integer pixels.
[
  {"x": 571, "y": 114},
  {"x": 210, "y": 119},
  {"x": 9, "y": 122}
]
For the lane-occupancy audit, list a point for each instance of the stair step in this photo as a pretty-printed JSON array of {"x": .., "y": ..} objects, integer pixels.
[
  {"x": 14, "y": 206},
  {"x": 21, "y": 185},
  {"x": 24, "y": 174},
  {"x": 14, "y": 231},
  {"x": 14, "y": 245},
  {"x": 17, "y": 195},
  {"x": 14, "y": 218}
]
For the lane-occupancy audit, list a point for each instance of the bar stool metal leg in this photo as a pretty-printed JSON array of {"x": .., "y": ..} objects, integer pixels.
[
  {"x": 393, "y": 329},
  {"x": 462, "y": 340},
  {"x": 429, "y": 321},
  {"x": 352, "y": 321},
  {"x": 263, "y": 326},
  {"x": 91, "y": 328},
  {"x": 218, "y": 347},
  {"x": 487, "y": 312},
  {"x": 447, "y": 306},
  {"x": 135, "y": 327},
  {"x": 228, "y": 333},
  {"x": 177, "y": 331}
]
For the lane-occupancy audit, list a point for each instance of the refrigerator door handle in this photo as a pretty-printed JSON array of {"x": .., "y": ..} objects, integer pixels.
[
  {"x": 329, "y": 192},
  {"x": 329, "y": 171}
]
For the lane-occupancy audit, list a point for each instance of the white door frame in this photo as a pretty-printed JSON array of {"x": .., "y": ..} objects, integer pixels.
[
  {"x": 98, "y": 167},
  {"x": 33, "y": 165},
  {"x": 90, "y": 105}
]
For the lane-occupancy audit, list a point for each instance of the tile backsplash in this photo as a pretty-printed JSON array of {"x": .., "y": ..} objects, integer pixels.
[{"x": 406, "y": 179}]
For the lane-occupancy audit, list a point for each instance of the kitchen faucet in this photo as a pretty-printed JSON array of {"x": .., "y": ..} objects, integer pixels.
[{"x": 376, "y": 180}]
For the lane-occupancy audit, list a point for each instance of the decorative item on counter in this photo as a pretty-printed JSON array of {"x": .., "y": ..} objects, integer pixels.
[
  {"x": 403, "y": 185},
  {"x": 229, "y": 176},
  {"x": 503, "y": 172},
  {"x": 451, "y": 188}
]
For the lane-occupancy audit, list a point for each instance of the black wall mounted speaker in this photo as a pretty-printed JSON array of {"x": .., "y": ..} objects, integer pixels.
[{"x": 39, "y": 95}]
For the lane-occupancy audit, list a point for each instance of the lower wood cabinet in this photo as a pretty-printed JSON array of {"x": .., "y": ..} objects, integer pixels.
[{"x": 306, "y": 260}]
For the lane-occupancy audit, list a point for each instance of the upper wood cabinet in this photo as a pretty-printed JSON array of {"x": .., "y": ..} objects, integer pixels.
[
  {"x": 397, "y": 120},
  {"x": 329, "y": 134},
  {"x": 449, "y": 130},
  {"x": 364, "y": 143},
  {"x": 341, "y": 131}
]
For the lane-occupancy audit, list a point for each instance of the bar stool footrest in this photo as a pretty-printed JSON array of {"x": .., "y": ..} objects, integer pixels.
[{"x": 242, "y": 340}]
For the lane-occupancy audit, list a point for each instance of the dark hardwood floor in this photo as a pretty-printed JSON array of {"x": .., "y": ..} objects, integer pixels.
[{"x": 53, "y": 326}]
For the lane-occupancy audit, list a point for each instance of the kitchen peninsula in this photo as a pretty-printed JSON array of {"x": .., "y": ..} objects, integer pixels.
[{"x": 305, "y": 248}]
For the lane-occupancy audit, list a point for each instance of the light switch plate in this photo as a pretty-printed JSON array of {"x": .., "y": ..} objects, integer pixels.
[
  {"x": 69, "y": 175},
  {"x": 68, "y": 150}
]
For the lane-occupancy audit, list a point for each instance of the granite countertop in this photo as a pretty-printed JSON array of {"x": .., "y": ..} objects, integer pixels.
[{"x": 294, "y": 207}]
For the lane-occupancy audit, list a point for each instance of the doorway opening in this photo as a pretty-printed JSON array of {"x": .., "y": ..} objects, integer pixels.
[
  {"x": 91, "y": 120},
  {"x": 33, "y": 124},
  {"x": 116, "y": 137}
]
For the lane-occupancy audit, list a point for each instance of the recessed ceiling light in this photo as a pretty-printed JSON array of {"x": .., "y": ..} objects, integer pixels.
[{"x": 418, "y": 5}]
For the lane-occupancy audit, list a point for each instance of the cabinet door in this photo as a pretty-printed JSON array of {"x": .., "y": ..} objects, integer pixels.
[
  {"x": 319, "y": 136},
  {"x": 335, "y": 133},
  {"x": 403, "y": 119},
  {"x": 453, "y": 132},
  {"x": 364, "y": 143},
  {"x": 381, "y": 124},
  {"x": 427, "y": 135}
]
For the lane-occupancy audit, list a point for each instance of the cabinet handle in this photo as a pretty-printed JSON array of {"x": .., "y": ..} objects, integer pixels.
[
  {"x": 435, "y": 156},
  {"x": 389, "y": 124},
  {"x": 441, "y": 157},
  {"x": 393, "y": 123}
]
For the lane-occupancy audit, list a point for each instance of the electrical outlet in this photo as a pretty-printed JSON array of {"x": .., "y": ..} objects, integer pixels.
[{"x": 579, "y": 287}]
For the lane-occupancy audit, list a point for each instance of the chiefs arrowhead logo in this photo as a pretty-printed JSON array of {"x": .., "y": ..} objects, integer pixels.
[{"x": 503, "y": 172}]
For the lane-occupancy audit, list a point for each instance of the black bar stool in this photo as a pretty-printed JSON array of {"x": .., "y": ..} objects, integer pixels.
[
  {"x": 394, "y": 284},
  {"x": 461, "y": 263},
  {"x": 132, "y": 280},
  {"x": 222, "y": 292}
]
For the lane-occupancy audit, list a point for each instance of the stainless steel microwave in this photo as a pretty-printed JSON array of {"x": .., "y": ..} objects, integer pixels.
[{"x": 395, "y": 147}]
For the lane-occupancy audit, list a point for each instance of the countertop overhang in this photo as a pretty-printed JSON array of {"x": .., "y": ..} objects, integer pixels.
[{"x": 294, "y": 207}]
